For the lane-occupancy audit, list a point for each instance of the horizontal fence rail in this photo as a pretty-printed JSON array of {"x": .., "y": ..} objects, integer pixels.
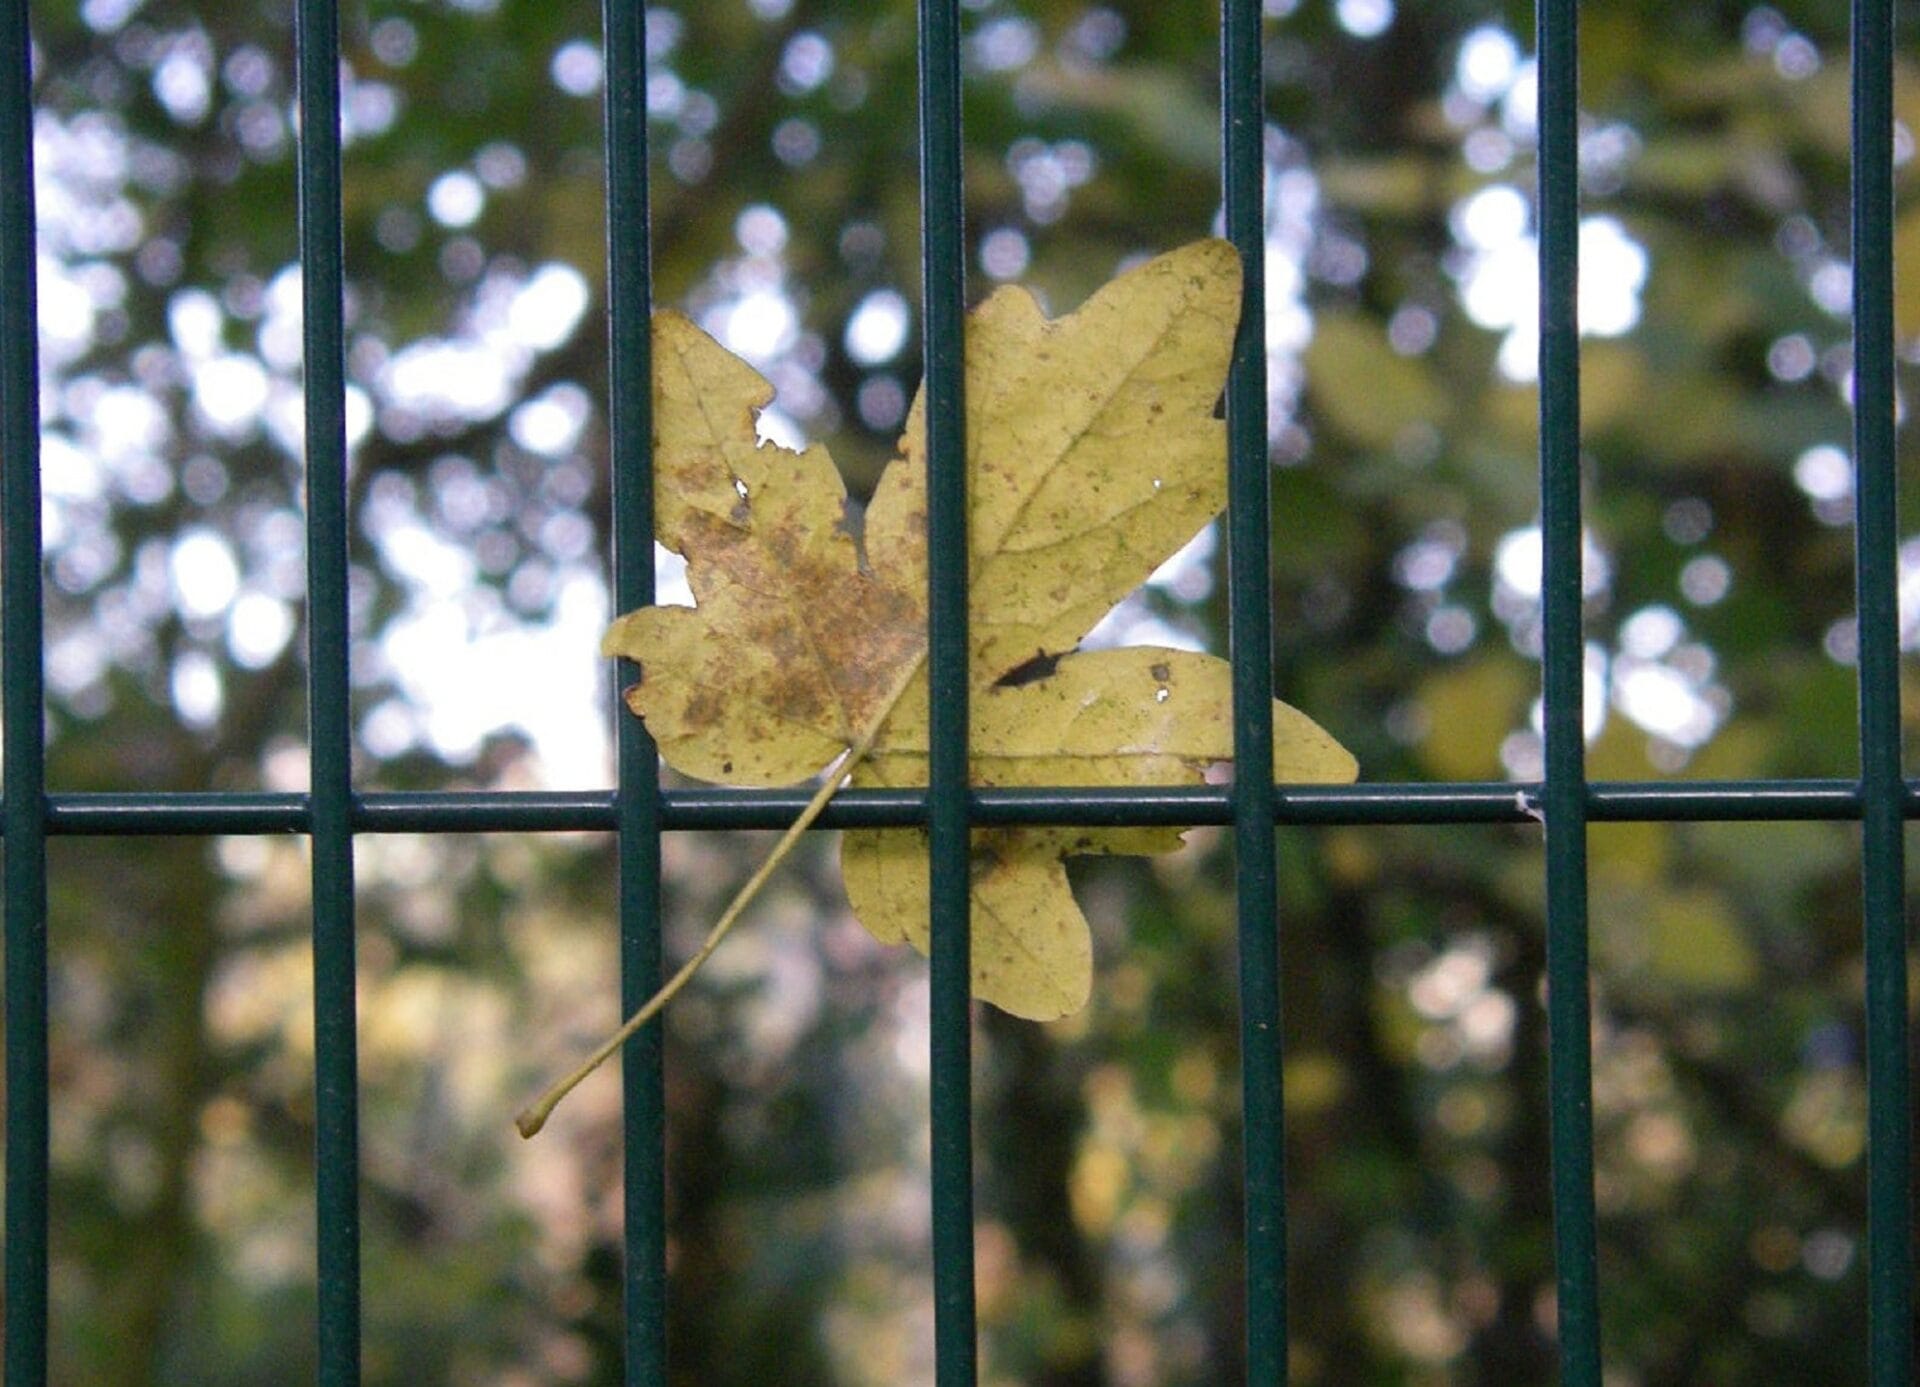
[
  {"x": 638, "y": 811},
  {"x": 597, "y": 811}
]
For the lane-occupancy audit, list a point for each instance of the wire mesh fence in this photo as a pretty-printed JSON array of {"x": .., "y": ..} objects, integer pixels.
[{"x": 333, "y": 812}]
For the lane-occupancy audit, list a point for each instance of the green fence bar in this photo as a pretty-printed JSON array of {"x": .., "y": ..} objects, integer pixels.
[
  {"x": 1250, "y": 632},
  {"x": 943, "y": 304},
  {"x": 630, "y": 428},
  {"x": 336, "y": 1081},
  {"x": 25, "y": 749},
  {"x": 1570, "y": 1065},
  {"x": 1882, "y": 861},
  {"x": 97, "y": 814}
]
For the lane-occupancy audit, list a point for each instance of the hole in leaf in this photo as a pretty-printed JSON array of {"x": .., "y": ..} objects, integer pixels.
[{"x": 1028, "y": 671}]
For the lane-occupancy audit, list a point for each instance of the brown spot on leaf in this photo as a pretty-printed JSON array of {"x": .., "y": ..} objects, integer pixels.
[
  {"x": 704, "y": 709},
  {"x": 797, "y": 697}
]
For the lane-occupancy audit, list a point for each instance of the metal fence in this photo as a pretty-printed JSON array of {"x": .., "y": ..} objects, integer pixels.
[{"x": 333, "y": 813}]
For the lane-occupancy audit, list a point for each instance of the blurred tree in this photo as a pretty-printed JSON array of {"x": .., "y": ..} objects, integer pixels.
[{"x": 1728, "y": 1089}]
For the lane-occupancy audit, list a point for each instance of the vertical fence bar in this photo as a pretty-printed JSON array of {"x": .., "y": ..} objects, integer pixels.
[
  {"x": 1882, "y": 849},
  {"x": 1570, "y": 1063},
  {"x": 1250, "y": 626},
  {"x": 943, "y": 284},
  {"x": 336, "y": 1084},
  {"x": 25, "y": 749},
  {"x": 630, "y": 426}
]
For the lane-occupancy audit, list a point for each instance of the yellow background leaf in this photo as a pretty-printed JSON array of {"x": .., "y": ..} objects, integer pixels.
[
  {"x": 1906, "y": 274},
  {"x": 1362, "y": 386}
]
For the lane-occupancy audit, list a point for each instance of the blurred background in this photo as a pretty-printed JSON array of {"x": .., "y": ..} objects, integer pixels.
[{"x": 1729, "y": 1097}]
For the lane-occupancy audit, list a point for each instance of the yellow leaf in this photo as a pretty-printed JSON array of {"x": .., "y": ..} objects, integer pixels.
[
  {"x": 1395, "y": 185},
  {"x": 1613, "y": 386},
  {"x": 1697, "y": 943},
  {"x": 1686, "y": 937},
  {"x": 1092, "y": 451},
  {"x": 1133, "y": 716},
  {"x": 1469, "y": 709},
  {"x": 1093, "y": 454},
  {"x": 1363, "y": 387},
  {"x": 773, "y": 673},
  {"x": 1906, "y": 274}
]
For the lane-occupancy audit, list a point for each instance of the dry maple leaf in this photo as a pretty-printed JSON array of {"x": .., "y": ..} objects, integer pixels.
[{"x": 1093, "y": 454}]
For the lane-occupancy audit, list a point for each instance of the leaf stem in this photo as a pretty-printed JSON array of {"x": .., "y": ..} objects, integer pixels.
[{"x": 534, "y": 1116}]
